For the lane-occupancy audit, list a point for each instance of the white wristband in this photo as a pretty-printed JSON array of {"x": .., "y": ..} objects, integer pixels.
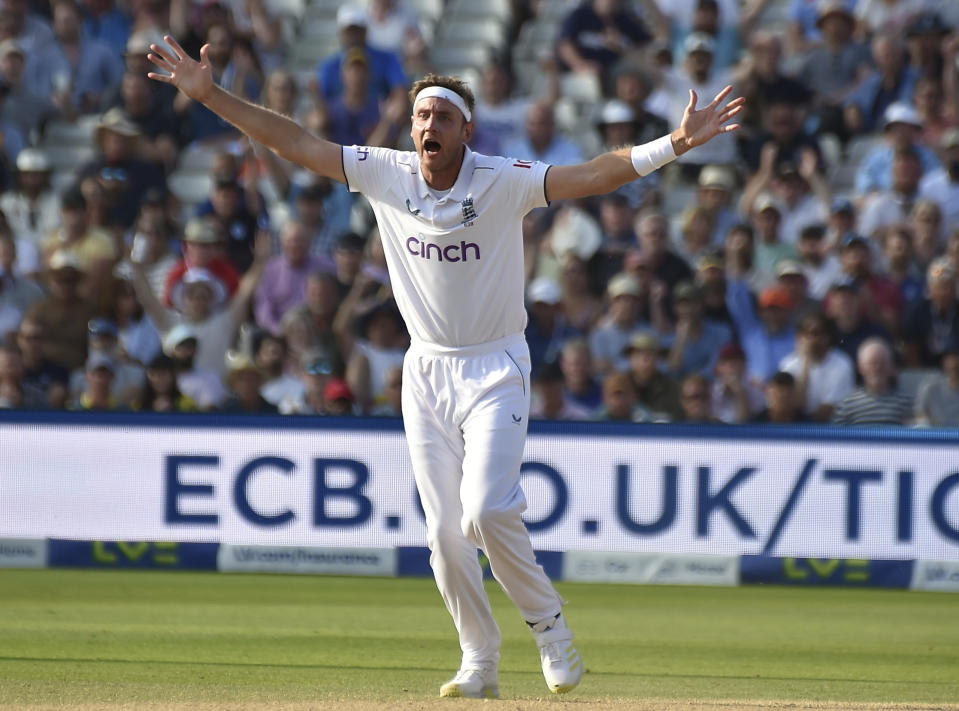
[{"x": 653, "y": 155}]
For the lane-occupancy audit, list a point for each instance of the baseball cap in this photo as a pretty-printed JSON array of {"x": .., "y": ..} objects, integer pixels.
[
  {"x": 33, "y": 160},
  {"x": 101, "y": 327},
  {"x": 833, "y": 7},
  {"x": 776, "y": 297},
  {"x": 11, "y": 45},
  {"x": 788, "y": 267},
  {"x": 645, "y": 341},
  {"x": 202, "y": 230},
  {"x": 732, "y": 351},
  {"x": 685, "y": 291},
  {"x": 767, "y": 202},
  {"x": 699, "y": 42},
  {"x": 710, "y": 261},
  {"x": 351, "y": 16},
  {"x": 337, "y": 389},
  {"x": 717, "y": 176},
  {"x": 928, "y": 23},
  {"x": 544, "y": 290},
  {"x": 624, "y": 285},
  {"x": 842, "y": 204},
  {"x": 852, "y": 239},
  {"x": 100, "y": 360},
  {"x": 616, "y": 111},
  {"x": 62, "y": 259},
  {"x": 178, "y": 334},
  {"x": 901, "y": 112},
  {"x": 949, "y": 139}
]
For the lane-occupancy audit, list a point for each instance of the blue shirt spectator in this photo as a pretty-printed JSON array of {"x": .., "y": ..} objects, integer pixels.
[
  {"x": 49, "y": 71},
  {"x": 766, "y": 337},
  {"x": 875, "y": 171},
  {"x": 588, "y": 34},
  {"x": 111, "y": 27}
]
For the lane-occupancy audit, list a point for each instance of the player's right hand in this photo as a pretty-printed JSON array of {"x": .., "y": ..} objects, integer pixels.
[{"x": 193, "y": 78}]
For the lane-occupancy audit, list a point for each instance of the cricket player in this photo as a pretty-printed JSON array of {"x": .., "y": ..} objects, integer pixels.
[{"x": 450, "y": 221}]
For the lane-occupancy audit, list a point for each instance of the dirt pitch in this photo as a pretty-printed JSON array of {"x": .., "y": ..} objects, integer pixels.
[{"x": 552, "y": 704}]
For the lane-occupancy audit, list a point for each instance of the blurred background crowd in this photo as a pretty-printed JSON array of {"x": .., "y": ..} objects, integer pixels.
[{"x": 802, "y": 269}]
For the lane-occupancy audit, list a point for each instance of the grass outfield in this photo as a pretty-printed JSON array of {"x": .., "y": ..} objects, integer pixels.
[{"x": 160, "y": 640}]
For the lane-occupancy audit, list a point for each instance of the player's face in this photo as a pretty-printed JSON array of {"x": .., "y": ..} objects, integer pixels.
[{"x": 439, "y": 133}]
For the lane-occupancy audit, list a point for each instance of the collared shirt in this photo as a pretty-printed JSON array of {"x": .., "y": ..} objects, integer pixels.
[
  {"x": 282, "y": 287},
  {"x": 875, "y": 171},
  {"x": 830, "y": 380},
  {"x": 941, "y": 188},
  {"x": 764, "y": 350},
  {"x": 95, "y": 72},
  {"x": 456, "y": 260}
]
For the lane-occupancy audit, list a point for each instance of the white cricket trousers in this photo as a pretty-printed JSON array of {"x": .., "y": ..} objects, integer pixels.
[{"x": 465, "y": 412}]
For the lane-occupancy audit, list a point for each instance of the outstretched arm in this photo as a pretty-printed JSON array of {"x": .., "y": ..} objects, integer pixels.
[
  {"x": 610, "y": 170},
  {"x": 278, "y": 133}
]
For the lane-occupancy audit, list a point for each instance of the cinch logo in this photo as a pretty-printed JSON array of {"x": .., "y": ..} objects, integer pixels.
[{"x": 450, "y": 253}]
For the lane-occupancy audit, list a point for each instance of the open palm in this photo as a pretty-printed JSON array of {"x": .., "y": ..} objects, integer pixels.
[
  {"x": 193, "y": 78},
  {"x": 702, "y": 125}
]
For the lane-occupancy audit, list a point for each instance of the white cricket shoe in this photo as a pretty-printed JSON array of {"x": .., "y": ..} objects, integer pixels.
[
  {"x": 473, "y": 683},
  {"x": 562, "y": 665}
]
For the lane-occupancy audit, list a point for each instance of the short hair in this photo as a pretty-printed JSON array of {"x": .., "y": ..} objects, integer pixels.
[
  {"x": 782, "y": 379},
  {"x": 454, "y": 84},
  {"x": 814, "y": 231},
  {"x": 873, "y": 343}
]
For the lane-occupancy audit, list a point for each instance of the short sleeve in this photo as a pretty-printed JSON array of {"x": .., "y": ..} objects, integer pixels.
[
  {"x": 369, "y": 170},
  {"x": 526, "y": 183}
]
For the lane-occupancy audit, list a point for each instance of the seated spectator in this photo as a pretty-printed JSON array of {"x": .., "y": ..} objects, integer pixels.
[
  {"x": 356, "y": 117},
  {"x": 695, "y": 400},
  {"x": 128, "y": 377},
  {"x": 26, "y": 24},
  {"x": 202, "y": 385},
  {"x": 283, "y": 285},
  {"x": 624, "y": 320},
  {"x": 890, "y": 16},
  {"x": 39, "y": 372},
  {"x": 200, "y": 300},
  {"x": 791, "y": 277},
  {"x": 22, "y": 106},
  {"x": 893, "y": 80},
  {"x": 739, "y": 253},
  {"x": 541, "y": 142},
  {"x": 380, "y": 345},
  {"x": 17, "y": 293},
  {"x": 107, "y": 23},
  {"x": 711, "y": 280},
  {"x": 63, "y": 315},
  {"x": 901, "y": 130},
  {"x": 338, "y": 399},
  {"x": 245, "y": 380},
  {"x": 91, "y": 249},
  {"x": 937, "y": 402},
  {"x": 664, "y": 265},
  {"x": 581, "y": 307},
  {"x": 933, "y": 321},
  {"x": 834, "y": 67},
  {"x": 161, "y": 392},
  {"x": 782, "y": 129},
  {"x": 696, "y": 341},
  {"x": 395, "y": 27},
  {"x": 847, "y": 307},
  {"x": 238, "y": 222},
  {"x": 655, "y": 390},
  {"x": 123, "y": 175},
  {"x": 549, "y": 398},
  {"x": 348, "y": 262},
  {"x": 925, "y": 36},
  {"x": 619, "y": 126},
  {"x": 203, "y": 248},
  {"x": 820, "y": 266},
  {"x": 74, "y": 70},
  {"x": 97, "y": 394},
  {"x": 315, "y": 373},
  {"x": 598, "y": 33},
  {"x": 696, "y": 232},
  {"x": 901, "y": 266},
  {"x": 877, "y": 402},
  {"x": 15, "y": 392},
  {"x": 937, "y": 115},
  {"x": 32, "y": 208},
  {"x": 942, "y": 184},
  {"x": 770, "y": 250},
  {"x": 842, "y": 220},
  {"x": 735, "y": 398},
  {"x": 784, "y": 404},
  {"x": 387, "y": 78},
  {"x": 616, "y": 220},
  {"x": 885, "y": 208},
  {"x": 547, "y": 330},
  {"x": 147, "y": 108},
  {"x": 884, "y": 298},
  {"x": 139, "y": 340},
  {"x": 500, "y": 115},
  {"x": 581, "y": 389},
  {"x": 928, "y": 232},
  {"x": 309, "y": 327},
  {"x": 714, "y": 193},
  {"x": 824, "y": 374},
  {"x": 619, "y": 401},
  {"x": 270, "y": 356}
]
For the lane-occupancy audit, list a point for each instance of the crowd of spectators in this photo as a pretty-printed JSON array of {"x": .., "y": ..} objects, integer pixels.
[{"x": 802, "y": 269}]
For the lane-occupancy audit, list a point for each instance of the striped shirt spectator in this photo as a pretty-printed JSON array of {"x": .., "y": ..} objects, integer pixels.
[{"x": 877, "y": 402}]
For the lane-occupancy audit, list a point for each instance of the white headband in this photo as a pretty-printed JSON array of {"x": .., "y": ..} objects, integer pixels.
[{"x": 440, "y": 92}]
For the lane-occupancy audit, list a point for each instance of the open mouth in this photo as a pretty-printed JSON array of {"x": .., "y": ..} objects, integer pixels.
[{"x": 431, "y": 147}]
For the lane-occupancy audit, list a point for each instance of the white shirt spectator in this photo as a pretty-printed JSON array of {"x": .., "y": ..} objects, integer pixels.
[
  {"x": 285, "y": 388},
  {"x": 677, "y": 83},
  {"x": 830, "y": 380},
  {"x": 938, "y": 187},
  {"x": 821, "y": 277},
  {"x": 810, "y": 210}
]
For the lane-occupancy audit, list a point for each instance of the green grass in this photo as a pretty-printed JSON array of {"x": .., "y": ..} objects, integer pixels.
[{"x": 102, "y": 637}]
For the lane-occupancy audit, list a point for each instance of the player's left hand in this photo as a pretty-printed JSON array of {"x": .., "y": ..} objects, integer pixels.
[{"x": 702, "y": 125}]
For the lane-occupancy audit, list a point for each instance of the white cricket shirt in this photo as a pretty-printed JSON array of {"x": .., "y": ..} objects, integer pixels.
[{"x": 456, "y": 262}]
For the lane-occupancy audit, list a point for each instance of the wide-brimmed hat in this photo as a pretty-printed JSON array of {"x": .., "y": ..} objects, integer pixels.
[
  {"x": 204, "y": 230},
  {"x": 833, "y": 7},
  {"x": 544, "y": 290},
  {"x": 645, "y": 341},
  {"x": 177, "y": 335},
  {"x": 116, "y": 121},
  {"x": 62, "y": 260},
  {"x": 624, "y": 285},
  {"x": 193, "y": 277},
  {"x": 615, "y": 111},
  {"x": 33, "y": 160},
  {"x": 718, "y": 177},
  {"x": 901, "y": 112}
]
